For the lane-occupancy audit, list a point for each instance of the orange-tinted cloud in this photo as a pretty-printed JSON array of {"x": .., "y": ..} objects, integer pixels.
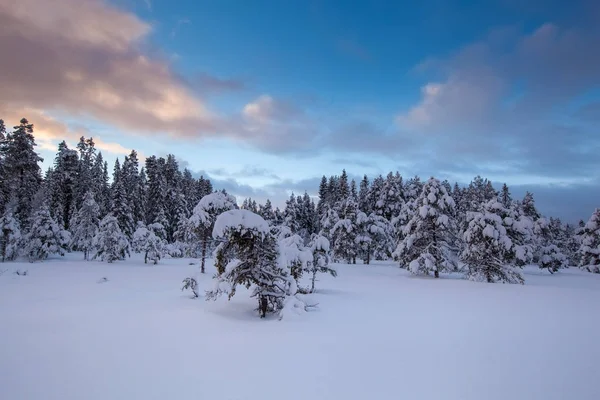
[{"x": 82, "y": 57}]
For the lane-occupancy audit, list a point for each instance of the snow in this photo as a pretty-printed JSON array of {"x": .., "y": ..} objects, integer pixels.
[
  {"x": 377, "y": 333},
  {"x": 243, "y": 219}
]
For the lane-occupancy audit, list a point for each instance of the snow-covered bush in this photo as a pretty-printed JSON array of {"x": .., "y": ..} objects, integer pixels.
[
  {"x": 320, "y": 263},
  {"x": 427, "y": 237},
  {"x": 85, "y": 225},
  {"x": 110, "y": 243},
  {"x": 486, "y": 247},
  {"x": 589, "y": 252},
  {"x": 249, "y": 256},
  {"x": 45, "y": 237},
  {"x": 10, "y": 237},
  {"x": 147, "y": 242}
]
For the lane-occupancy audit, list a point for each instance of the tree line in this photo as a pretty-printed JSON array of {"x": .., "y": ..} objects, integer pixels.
[{"x": 429, "y": 227}]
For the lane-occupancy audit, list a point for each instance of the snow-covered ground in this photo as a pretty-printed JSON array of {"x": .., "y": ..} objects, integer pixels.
[{"x": 378, "y": 333}]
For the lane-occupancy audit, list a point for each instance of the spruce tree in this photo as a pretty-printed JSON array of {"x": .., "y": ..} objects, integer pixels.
[
  {"x": 85, "y": 225},
  {"x": 426, "y": 246},
  {"x": 10, "y": 236},
  {"x": 63, "y": 181},
  {"x": 320, "y": 248},
  {"x": 121, "y": 209},
  {"x": 589, "y": 251},
  {"x": 110, "y": 243},
  {"x": 528, "y": 207},
  {"x": 22, "y": 175},
  {"x": 345, "y": 232},
  {"x": 248, "y": 256},
  {"x": 363, "y": 196},
  {"x": 487, "y": 245},
  {"x": 45, "y": 237},
  {"x": 201, "y": 222},
  {"x": 547, "y": 253},
  {"x": 147, "y": 242}
]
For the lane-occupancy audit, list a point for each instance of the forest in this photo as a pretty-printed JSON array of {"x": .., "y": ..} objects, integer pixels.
[{"x": 428, "y": 227}]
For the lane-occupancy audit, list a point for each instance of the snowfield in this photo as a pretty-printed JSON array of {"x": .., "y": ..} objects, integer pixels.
[{"x": 378, "y": 333}]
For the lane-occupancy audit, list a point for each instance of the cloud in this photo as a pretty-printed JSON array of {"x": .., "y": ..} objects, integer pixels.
[
  {"x": 93, "y": 66},
  {"x": 49, "y": 132},
  {"x": 148, "y": 4},
  {"x": 506, "y": 100}
]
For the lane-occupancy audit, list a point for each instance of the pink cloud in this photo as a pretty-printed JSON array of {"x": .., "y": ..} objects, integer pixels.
[{"x": 82, "y": 57}]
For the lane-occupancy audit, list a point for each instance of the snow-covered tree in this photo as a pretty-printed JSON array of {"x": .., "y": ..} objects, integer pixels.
[
  {"x": 45, "y": 236},
  {"x": 10, "y": 236},
  {"x": 121, "y": 208},
  {"x": 201, "y": 222},
  {"x": 547, "y": 253},
  {"x": 85, "y": 225},
  {"x": 293, "y": 255},
  {"x": 248, "y": 255},
  {"x": 486, "y": 248},
  {"x": 374, "y": 237},
  {"x": 320, "y": 263},
  {"x": 589, "y": 252},
  {"x": 110, "y": 242},
  {"x": 345, "y": 232},
  {"x": 147, "y": 242},
  {"x": 426, "y": 246},
  {"x": 22, "y": 175}
]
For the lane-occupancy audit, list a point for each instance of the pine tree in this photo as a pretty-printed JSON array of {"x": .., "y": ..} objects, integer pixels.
[
  {"x": 345, "y": 231},
  {"x": 155, "y": 193},
  {"x": 320, "y": 264},
  {"x": 528, "y": 207},
  {"x": 100, "y": 185},
  {"x": 426, "y": 246},
  {"x": 487, "y": 244},
  {"x": 63, "y": 184},
  {"x": 589, "y": 251},
  {"x": 120, "y": 203},
  {"x": 248, "y": 256},
  {"x": 85, "y": 174},
  {"x": 505, "y": 198},
  {"x": 134, "y": 187},
  {"x": 547, "y": 253},
  {"x": 22, "y": 175},
  {"x": 45, "y": 237},
  {"x": 374, "y": 238},
  {"x": 147, "y": 242},
  {"x": 266, "y": 211},
  {"x": 10, "y": 235},
  {"x": 201, "y": 222},
  {"x": 110, "y": 243},
  {"x": 323, "y": 197},
  {"x": 85, "y": 225},
  {"x": 363, "y": 196}
]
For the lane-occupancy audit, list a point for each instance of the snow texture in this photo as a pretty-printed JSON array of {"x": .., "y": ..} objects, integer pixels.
[
  {"x": 243, "y": 220},
  {"x": 137, "y": 336}
]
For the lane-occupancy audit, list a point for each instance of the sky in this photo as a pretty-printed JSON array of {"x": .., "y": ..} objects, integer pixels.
[{"x": 265, "y": 97}]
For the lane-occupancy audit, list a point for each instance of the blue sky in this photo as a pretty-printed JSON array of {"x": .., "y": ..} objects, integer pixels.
[{"x": 267, "y": 96}]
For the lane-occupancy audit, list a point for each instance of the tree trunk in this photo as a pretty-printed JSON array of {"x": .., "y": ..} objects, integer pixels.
[
  {"x": 368, "y": 260},
  {"x": 202, "y": 263},
  {"x": 436, "y": 273},
  {"x": 262, "y": 306},
  {"x": 146, "y": 258}
]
